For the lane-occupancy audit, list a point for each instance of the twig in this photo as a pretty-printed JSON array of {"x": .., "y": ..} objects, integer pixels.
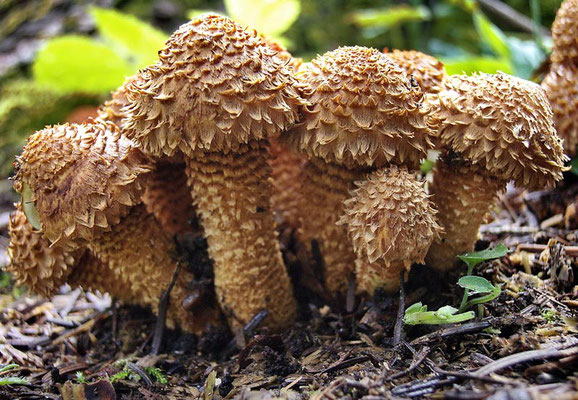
[
  {"x": 452, "y": 330},
  {"x": 416, "y": 361},
  {"x": 162, "y": 316},
  {"x": 512, "y": 16},
  {"x": 571, "y": 251},
  {"x": 138, "y": 370},
  {"x": 345, "y": 364},
  {"x": 466, "y": 375},
  {"x": 248, "y": 331},
  {"x": 528, "y": 356},
  {"x": 400, "y": 311}
]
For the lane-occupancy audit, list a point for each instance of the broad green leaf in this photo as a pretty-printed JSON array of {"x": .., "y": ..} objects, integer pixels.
[
  {"x": 473, "y": 259},
  {"x": 390, "y": 17},
  {"x": 197, "y": 12},
  {"x": 269, "y": 17},
  {"x": 526, "y": 56},
  {"x": 80, "y": 64},
  {"x": 446, "y": 312},
  {"x": 417, "y": 314},
  {"x": 132, "y": 37},
  {"x": 414, "y": 308},
  {"x": 476, "y": 284},
  {"x": 469, "y": 65},
  {"x": 491, "y": 35}
]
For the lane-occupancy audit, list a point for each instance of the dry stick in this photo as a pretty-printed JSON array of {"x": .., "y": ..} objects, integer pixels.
[
  {"x": 162, "y": 316},
  {"x": 453, "y": 330},
  {"x": 400, "y": 311},
  {"x": 417, "y": 360},
  {"x": 512, "y": 16},
  {"x": 571, "y": 251},
  {"x": 527, "y": 356}
]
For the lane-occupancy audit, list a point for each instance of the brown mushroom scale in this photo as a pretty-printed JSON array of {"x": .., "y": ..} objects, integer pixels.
[
  {"x": 364, "y": 114},
  {"x": 86, "y": 184},
  {"x": 429, "y": 72},
  {"x": 565, "y": 33},
  {"x": 498, "y": 128},
  {"x": 217, "y": 94}
]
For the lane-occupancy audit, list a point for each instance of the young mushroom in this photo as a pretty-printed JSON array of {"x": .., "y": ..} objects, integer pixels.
[
  {"x": 565, "y": 34},
  {"x": 494, "y": 129},
  {"x": 364, "y": 115},
  {"x": 428, "y": 72},
  {"x": 82, "y": 185},
  {"x": 391, "y": 224},
  {"x": 216, "y": 95}
]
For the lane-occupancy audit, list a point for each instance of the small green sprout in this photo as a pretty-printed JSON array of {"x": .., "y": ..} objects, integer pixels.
[
  {"x": 80, "y": 378},
  {"x": 417, "y": 314},
  {"x": 549, "y": 315},
  {"x": 157, "y": 374},
  {"x": 11, "y": 380}
]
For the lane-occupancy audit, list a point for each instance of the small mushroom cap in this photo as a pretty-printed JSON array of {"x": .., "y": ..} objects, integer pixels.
[
  {"x": 364, "y": 111},
  {"x": 565, "y": 33},
  {"x": 429, "y": 72},
  {"x": 33, "y": 262},
  {"x": 561, "y": 86},
  {"x": 502, "y": 124},
  {"x": 82, "y": 178},
  {"x": 390, "y": 217},
  {"x": 215, "y": 87}
]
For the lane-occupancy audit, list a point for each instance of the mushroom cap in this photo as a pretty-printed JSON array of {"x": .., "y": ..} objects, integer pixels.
[
  {"x": 390, "y": 217},
  {"x": 502, "y": 124},
  {"x": 112, "y": 110},
  {"x": 82, "y": 179},
  {"x": 33, "y": 262},
  {"x": 561, "y": 86},
  {"x": 364, "y": 111},
  {"x": 215, "y": 87},
  {"x": 565, "y": 33},
  {"x": 429, "y": 72}
]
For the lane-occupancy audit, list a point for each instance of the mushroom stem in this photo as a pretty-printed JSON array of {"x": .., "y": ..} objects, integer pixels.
[
  {"x": 138, "y": 251},
  {"x": 463, "y": 197},
  {"x": 325, "y": 187},
  {"x": 232, "y": 193}
]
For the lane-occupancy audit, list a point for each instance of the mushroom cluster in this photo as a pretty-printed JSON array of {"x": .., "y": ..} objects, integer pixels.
[
  {"x": 561, "y": 82},
  {"x": 227, "y": 136}
]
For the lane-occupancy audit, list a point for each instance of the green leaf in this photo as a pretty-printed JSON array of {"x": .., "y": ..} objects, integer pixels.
[
  {"x": 476, "y": 284},
  {"x": 79, "y": 64},
  {"x": 128, "y": 35},
  {"x": 491, "y": 35},
  {"x": 13, "y": 380},
  {"x": 473, "y": 259},
  {"x": 417, "y": 314},
  {"x": 469, "y": 65},
  {"x": 8, "y": 367},
  {"x": 526, "y": 56},
  {"x": 390, "y": 17},
  {"x": 269, "y": 17}
]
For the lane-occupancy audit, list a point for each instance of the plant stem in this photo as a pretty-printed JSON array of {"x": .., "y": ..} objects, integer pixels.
[{"x": 466, "y": 291}]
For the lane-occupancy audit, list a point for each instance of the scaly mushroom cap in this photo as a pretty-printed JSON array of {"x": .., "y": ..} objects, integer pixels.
[
  {"x": 561, "y": 86},
  {"x": 502, "y": 124},
  {"x": 390, "y": 217},
  {"x": 429, "y": 72},
  {"x": 43, "y": 269},
  {"x": 364, "y": 111},
  {"x": 565, "y": 33},
  {"x": 112, "y": 110},
  {"x": 216, "y": 86},
  {"x": 82, "y": 179}
]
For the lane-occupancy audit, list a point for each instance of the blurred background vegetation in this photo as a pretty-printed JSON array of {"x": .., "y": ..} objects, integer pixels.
[{"x": 61, "y": 58}]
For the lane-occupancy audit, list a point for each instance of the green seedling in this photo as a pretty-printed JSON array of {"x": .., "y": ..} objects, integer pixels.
[
  {"x": 11, "y": 380},
  {"x": 417, "y": 314},
  {"x": 479, "y": 285}
]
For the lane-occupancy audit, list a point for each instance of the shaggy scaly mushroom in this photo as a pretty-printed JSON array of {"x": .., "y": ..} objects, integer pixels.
[
  {"x": 494, "y": 129},
  {"x": 216, "y": 95},
  {"x": 391, "y": 223},
  {"x": 364, "y": 115},
  {"x": 84, "y": 183}
]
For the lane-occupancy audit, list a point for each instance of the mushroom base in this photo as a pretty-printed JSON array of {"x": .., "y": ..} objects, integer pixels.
[
  {"x": 463, "y": 198},
  {"x": 140, "y": 257},
  {"x": 232, "y": 193},
  {"x": 325, "y": 187}
]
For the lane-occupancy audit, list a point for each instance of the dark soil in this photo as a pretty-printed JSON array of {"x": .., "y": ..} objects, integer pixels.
[{"x": 525, "y": 346}]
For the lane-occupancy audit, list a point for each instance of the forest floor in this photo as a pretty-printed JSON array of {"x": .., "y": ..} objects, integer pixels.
[{"x": 83, "y": 346}]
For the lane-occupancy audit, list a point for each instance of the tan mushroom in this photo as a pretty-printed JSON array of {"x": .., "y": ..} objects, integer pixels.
[
  {"x": 565, "y": 33},
  {"x": 428, "y": 72},
  {"x": 391, "y": 223},
  {"x": 494, "y": 129},
  {"x": 85, "y": 184},
  {"x": 364, "y": 115},
  {"x": 217, "y": 95},
  {"x": 561, "y": 86}
]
